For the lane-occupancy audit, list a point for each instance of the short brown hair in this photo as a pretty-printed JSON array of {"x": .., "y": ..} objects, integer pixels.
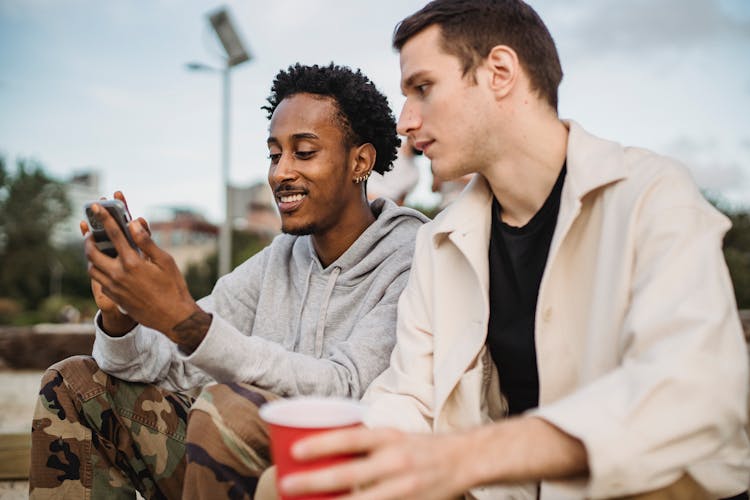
[{"x": 471, "y": 28}]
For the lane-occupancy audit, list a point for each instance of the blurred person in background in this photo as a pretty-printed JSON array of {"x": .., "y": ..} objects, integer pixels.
[
  {"x": 312, "y": 314},
  {"x": 450, "y": 189},
  {"x": 569, "y": 328},
  {"x": 399, "y": 181}
]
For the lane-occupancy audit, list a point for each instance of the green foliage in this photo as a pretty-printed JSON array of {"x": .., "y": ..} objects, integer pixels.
[
  {"x": 74, "y": 280},
  {"x": 245, "y": 245},
  {"x": 737, "y": 254},
  {"x": 737, "y": 249},
  {"x": 429, "y": 211},
  {"x": 201, "y": 277},
  {"x": 31, "y": 205}
]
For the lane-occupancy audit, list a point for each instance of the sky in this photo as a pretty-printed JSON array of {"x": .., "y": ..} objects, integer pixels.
[{"x": 86, "y": 84}]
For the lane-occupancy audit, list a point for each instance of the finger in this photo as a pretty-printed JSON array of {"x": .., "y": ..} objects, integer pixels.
[
  {"x": 114, "y": 232},
  {"x": 84, "y": 227},
  {"x": 340, "y": 442},
  {"x": 102, "y": 279},
  {"x": 96, "y": 256},
  {"x": 144, "y": 224},
  {"x": 142, "y": 238},
  {"x": 120, "y": 196},
  {"x": 344, "y": 477}
]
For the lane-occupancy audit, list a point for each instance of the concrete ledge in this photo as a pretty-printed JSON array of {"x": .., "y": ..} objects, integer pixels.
[
  {"x": 39, "y": 346},
  {"x": 15, "y": 456}
]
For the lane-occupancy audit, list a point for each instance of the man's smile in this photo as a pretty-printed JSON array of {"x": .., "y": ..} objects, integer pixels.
[{"x": 288, "y": 202}]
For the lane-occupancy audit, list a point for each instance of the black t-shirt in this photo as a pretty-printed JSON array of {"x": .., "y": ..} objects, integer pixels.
[{"x": 517, "y": 258}]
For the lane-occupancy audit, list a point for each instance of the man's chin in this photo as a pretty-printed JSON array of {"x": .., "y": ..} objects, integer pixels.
[{"x": 297, "y": 230}]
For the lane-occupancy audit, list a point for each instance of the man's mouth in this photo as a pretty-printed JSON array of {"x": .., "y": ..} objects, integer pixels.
[
  {"x": 289, "y": 202},
  {"x": 423, "y": 145}
]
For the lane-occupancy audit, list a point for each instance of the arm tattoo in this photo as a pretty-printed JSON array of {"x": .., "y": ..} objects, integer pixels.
[{"x": 190, "y": 332}]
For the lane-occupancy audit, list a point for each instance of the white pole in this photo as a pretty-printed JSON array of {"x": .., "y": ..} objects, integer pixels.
[{"x": 225, "y": 233}]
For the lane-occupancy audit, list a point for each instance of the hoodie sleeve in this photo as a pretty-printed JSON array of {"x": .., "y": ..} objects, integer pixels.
[
  {"x": 346, "y": 368},
  {"x": 146, "y": 355}
]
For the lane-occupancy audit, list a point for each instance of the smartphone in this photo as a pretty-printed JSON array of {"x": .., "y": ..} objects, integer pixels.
[{"x": 119, "y": 213}]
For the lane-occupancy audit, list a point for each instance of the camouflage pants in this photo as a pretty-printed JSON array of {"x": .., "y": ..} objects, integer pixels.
[{"x": 95, "y": 436}]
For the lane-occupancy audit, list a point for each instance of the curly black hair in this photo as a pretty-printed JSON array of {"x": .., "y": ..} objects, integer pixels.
[{"x": 362, "y": 109}]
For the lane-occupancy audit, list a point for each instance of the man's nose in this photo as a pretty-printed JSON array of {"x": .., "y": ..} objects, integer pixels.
[
  {"x": 409, "y": 119},
  {"x": 282, "y": 171}
]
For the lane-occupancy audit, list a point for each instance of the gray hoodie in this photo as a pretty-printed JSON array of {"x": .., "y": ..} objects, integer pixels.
[{"x": 286, "y": 324}]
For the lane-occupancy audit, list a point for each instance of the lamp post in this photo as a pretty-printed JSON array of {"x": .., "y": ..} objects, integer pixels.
[{"x": 235, "y": 54}]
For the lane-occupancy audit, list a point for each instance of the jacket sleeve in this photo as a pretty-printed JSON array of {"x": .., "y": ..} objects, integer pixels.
[
  {"x": 403, "y": 395},
  {"x": 146, "y": 355},
  {"x": 679, "y": 392},
  {"x": 345, "y": 369}
]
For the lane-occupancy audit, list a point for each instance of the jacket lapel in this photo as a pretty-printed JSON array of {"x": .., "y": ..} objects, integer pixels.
[{"x": 466, "y": 225}]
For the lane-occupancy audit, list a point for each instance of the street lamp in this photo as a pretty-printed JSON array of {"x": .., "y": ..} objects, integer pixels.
[{"x": 235, "y": 54}]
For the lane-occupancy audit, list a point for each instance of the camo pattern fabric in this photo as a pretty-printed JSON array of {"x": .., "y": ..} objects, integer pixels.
[
  {"x": 227, "y": 442},
  {"x": 95, "y": 436}
]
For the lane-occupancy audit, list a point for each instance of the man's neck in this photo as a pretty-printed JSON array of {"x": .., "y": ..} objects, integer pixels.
[
  {"x": 528, "y": 167},
  {"x": 331, "y": 244}
]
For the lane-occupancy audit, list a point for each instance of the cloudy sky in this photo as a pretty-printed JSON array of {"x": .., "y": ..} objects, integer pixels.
[{"x": 91, "y": 84}]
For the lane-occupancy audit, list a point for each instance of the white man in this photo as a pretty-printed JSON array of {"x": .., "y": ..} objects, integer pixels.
[{"x": 569, "y": 328}]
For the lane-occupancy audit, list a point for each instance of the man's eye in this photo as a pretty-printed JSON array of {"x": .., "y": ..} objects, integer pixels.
[
  {"x": 304, "y": 155},
  {"x": 275, "y": 157},
  {"x": 422, "y": 89}
]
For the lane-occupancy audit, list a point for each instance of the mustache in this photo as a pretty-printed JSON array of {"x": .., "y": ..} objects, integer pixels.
[{"x": 285, "y": 188}]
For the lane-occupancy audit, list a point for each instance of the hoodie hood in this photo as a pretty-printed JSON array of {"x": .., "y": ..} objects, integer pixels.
[{"x": 372, "y": 247}]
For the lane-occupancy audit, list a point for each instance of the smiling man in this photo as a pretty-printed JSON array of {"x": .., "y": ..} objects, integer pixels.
[{"x": 313, "y": 313}]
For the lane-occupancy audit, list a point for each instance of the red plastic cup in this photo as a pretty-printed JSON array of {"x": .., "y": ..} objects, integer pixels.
[{"x": 290, "y": 420}]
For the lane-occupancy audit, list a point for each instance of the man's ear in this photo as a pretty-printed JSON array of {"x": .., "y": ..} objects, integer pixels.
[
  {"x": 362, "y": 160},
  {"x": 503, "y": 70}
]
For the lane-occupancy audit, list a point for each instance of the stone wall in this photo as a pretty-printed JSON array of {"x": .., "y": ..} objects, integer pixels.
[{"x": 39, "y": 346}]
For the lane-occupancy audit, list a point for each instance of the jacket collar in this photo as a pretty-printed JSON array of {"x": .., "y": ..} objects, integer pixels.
[{"x": 591, "y": 162}]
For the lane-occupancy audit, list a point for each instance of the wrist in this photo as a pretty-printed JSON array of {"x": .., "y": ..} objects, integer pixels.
[
  {"x": 190, "y": 331},
  {"x": 115, "y": 324},
  {"x": 478, "y": 469}
]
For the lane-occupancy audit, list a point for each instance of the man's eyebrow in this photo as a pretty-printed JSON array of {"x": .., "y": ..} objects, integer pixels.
[
  {"x": 299, "y": 136},
  {"x": 409, "y": 82},
  {"x": 305, "y": 135}
]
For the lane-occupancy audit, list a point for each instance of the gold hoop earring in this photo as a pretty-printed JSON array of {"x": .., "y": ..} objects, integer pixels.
[{"x": 361, "y": 178}]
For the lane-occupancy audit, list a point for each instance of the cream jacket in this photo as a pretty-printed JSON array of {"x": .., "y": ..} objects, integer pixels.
[{"x": 639, "y": 346}]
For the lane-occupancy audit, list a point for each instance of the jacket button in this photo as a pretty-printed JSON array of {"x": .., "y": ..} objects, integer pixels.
[{"x": 547, "y": 314}]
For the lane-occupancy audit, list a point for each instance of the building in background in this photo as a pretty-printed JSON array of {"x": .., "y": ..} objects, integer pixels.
[
  {"x": 253, "y": 210},
  {"x": 81, "y": 188},
  {"x": 185, "y": 234}
]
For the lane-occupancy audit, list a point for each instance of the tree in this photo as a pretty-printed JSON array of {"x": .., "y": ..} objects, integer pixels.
[
  {"x": 201, "y": 276},
  {"x": 737, "y": 254},
  {"x": 31, "y": 206},
  {"x": 737, "y": 248}
]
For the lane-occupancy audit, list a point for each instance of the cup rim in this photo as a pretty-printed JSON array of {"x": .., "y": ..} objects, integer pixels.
[{"x": 349, "y": 412}]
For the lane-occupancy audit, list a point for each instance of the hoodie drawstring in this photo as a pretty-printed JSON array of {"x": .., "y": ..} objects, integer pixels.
[
  {"x": 324, "y": 310},
  {"x": 298, "y": 329}
]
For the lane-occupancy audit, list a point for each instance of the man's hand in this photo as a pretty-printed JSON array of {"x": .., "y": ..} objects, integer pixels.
[
  {"x": 394, "y": 465},
  {"x": 148, "y": 285},
  {"x": 115, "y": 323}
]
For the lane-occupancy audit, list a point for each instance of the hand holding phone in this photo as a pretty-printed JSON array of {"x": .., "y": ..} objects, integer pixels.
[{"x": 120, "y": 214}]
